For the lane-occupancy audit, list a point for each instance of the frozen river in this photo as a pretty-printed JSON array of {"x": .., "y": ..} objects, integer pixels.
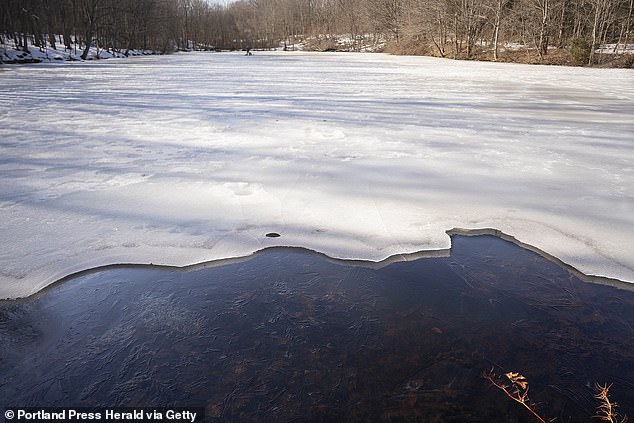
[{"x": 193, "y": 157}]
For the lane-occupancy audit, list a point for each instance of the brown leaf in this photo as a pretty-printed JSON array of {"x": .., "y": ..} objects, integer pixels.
[{"x": 517, "y": 379}]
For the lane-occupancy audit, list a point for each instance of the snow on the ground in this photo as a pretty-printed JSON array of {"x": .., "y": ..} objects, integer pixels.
[
  {"x": 616, "y": 49},
  {"x": 192, "y": 157},
  {"x": 11, "y": 53}
]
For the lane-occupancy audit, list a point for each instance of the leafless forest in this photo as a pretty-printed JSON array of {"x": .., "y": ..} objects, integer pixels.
[{"x": 512, "y": 30}]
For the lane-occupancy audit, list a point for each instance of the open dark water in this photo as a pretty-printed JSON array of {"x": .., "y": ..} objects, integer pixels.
[{"x": 290, "y": 335}]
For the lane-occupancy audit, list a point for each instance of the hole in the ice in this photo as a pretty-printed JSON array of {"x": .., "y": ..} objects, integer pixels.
[{"x": 272, "y": 235}]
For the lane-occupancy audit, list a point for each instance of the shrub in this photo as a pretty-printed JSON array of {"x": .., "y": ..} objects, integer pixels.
[{"x": 580, "y": 50}]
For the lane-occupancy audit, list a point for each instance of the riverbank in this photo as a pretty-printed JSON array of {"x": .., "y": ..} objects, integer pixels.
[
  {"x": 608, "y": 56},
  {"x": 12, "y": 54}
]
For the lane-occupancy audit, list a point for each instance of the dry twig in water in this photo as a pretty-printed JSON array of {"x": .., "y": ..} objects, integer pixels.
[
  {"x": 606, "y": 411},
  {"x": 517, "y": 390}
]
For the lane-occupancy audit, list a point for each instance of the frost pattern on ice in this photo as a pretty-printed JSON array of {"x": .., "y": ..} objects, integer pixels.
[{"x": 192, "y": 157}]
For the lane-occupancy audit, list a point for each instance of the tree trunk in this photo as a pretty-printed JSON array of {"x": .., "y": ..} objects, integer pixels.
[
  {"x": 25, "y": 43},
  {"x": 562, "y": 20},
  {"x": 455, "y": 35},
  {"x": 542, "y": 48},
  {"x": 496, "y": 29},
  {"x": 90, "y": 33},
  {"x": 91, "y": 18},
  {"x": 595, "y": 29},
  {"x": 628, "y": 25},
  {"x": 51, "y": 40}
]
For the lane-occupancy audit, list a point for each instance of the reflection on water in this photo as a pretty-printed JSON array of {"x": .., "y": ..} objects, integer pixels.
[{"x": 292, "y": 336}]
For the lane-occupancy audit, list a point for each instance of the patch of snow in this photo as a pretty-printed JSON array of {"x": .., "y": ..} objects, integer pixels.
[
  {"x": 197, "y": 156},
  {"x": 514, "y": 46},
  {"x": 367, "y": 43},
  {"x": 10, "y": 53},
  {"x": 616, "y": 49}
]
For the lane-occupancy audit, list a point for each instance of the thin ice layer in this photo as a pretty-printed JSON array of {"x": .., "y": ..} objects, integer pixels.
[{"x": 194, "y": 157}]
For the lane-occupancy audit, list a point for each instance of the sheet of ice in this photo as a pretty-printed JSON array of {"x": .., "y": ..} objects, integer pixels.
[{"x": 192, "y": 157}]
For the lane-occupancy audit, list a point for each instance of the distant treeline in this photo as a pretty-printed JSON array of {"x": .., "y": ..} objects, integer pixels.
[{"x": 448, "y": 28}]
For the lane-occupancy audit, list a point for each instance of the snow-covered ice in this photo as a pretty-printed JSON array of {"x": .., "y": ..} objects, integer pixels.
[{"x": 191, "y": 157}]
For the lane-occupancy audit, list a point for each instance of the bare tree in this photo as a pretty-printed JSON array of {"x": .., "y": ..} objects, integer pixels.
[
  {"x": 388, "y": 17},
  {"x": 498, "y": 8},
  {"x": 604, "y": 11}
]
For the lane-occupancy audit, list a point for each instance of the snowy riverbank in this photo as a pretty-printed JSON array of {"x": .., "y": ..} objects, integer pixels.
[
  {"x": 10, "y": 53},
  {"x": 192, "y": 157}
]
